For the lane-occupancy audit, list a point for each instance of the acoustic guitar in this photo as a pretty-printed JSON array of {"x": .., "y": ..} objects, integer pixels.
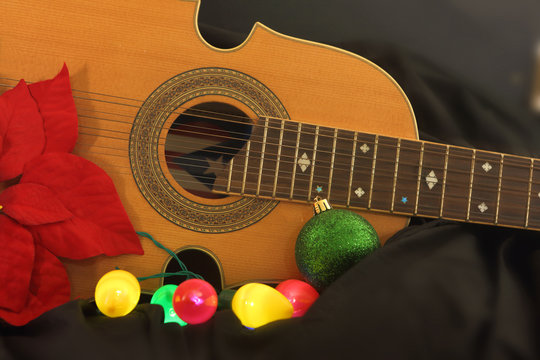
[{"x": 224, "y": 150}]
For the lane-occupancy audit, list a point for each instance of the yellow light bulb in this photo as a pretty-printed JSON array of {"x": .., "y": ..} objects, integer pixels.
[
  {"x": 258, "y": 304},
  {"x": 117, "y": 293}
]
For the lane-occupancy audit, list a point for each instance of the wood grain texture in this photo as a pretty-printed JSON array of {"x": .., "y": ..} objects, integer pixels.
[{"x": 128, "y": 48}]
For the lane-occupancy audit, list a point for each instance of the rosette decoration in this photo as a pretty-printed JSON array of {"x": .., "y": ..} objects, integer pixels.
[{"x": 61, "y": 206}]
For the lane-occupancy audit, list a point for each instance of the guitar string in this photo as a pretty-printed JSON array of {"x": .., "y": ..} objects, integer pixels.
[
  {"x": 424, "y": 208},
  {"x": 368, "y": 169},
  {"x": 122, "y": 98},
  {"x": 336, "y": 153},
  {"x": 229, "y": 153},
  {"x": 286, "y": 142},
  {"x": 437, "y": 196},
  {"x": 320, "y": 150},
  {"x": 268, "y": 143},
  {"x": 237, "y": 156},
  {"x": 403, "y": 146},
  {"x": 244, "y": 118},
  {"x": 454, "y": 156},
  {"x": 251, "y": 168},
  {"x": 284, "y": 157},
  {"x": 323, "y": 179},
  {"x": 404, "y": 142}
]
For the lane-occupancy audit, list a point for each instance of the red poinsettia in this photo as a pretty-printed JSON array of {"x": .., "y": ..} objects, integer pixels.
[
  {"x": 36, "y": 119},
  {"x": 63, "y": 205}
]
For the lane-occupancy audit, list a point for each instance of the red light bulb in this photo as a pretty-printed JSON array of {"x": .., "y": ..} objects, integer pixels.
[
  {"x": 195, "y": 301},
  {"x": 300, "y": 294}
]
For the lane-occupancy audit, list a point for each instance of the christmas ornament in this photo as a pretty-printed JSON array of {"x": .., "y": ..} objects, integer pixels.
[
  {"x": 258, "y": 304},
  {"x": 331, "y": 242},
  {"x": 195, "y": 301},
  {"x": 117, "y": 293},
  {"x": 300, "y": 294},
  {"x": 164, "y": 297}
]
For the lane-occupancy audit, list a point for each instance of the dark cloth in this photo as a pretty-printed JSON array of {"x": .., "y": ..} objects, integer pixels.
[{"x": 437, "y": 290}]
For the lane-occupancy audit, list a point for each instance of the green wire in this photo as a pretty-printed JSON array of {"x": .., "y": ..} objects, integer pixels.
[{"x": 183, "y": 272}]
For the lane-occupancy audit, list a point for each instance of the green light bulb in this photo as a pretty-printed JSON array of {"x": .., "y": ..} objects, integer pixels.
[{"x": 163, "y": 296}]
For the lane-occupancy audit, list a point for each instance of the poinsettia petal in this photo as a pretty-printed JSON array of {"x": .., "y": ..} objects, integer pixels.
[
  {"x": 23, "y": 134},
  {"x": 78, "y": 238},
  {"x": 16, "y": 263},
  {"x": 57, "y": 108},
  {"x": 5, "y": 114},
  {"x": 33, "y": 204},
  {"x": 49, "y": 288},
  {"x": 100, "y": 224}
]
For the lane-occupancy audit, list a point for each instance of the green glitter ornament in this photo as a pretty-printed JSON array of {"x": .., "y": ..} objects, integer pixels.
[{"x": 331, "y": 242}]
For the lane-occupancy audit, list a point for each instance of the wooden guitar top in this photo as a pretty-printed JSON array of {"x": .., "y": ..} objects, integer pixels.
[{"x": 123, "y": 53}]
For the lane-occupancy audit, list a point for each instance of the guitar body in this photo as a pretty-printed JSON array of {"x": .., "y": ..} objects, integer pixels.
[{"x": 141, "y": 52}]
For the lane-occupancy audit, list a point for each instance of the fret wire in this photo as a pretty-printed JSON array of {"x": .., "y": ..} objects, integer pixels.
[
  {"x": 278, "y": 157},
  {"x": 230, "y": 174},
  {"x": 444, "y": 179},
  {"x": 375, "y": 147},
  {"x": 398, "y": 147},
  {"x": 313, "y": 162},
  {"x": 501, "y": 163},
  {"x": 419, "y": 177},
  {"x": 352, "y": 168},
  {"x": 265, "y": 132},
  {"x": 248, "y": 145},
  {"x": 471, "y": 185},
  {"x": 530, "y": 193},
  {"x": 332, "y": 165},
  {"x": 299, "y": 131}
]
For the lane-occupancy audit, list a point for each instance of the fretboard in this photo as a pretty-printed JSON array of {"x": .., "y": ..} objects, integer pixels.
[{"x": 292, "y": 161}]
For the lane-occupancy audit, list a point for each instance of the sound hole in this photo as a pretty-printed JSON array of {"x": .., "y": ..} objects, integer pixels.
[
  {"x": 201, "y": 142},
  {"x": 199, "y": 261}
]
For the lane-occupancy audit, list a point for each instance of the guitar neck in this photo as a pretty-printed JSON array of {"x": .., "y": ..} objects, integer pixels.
[{"x": 287, "y": 160}]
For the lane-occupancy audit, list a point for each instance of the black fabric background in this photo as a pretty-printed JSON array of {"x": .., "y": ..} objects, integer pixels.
[{"x": 437, "y": 290}]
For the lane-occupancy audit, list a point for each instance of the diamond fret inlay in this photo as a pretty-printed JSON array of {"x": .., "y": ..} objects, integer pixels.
[
  {"x": 359, "y": 192},
  {"x": 304, "y": 162},
  {"x": 487, "y": 166},
  {"x": 431, "y": 180},
  {"x": 482, "y": 207},
  {"x": 364, "y": 148}
]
